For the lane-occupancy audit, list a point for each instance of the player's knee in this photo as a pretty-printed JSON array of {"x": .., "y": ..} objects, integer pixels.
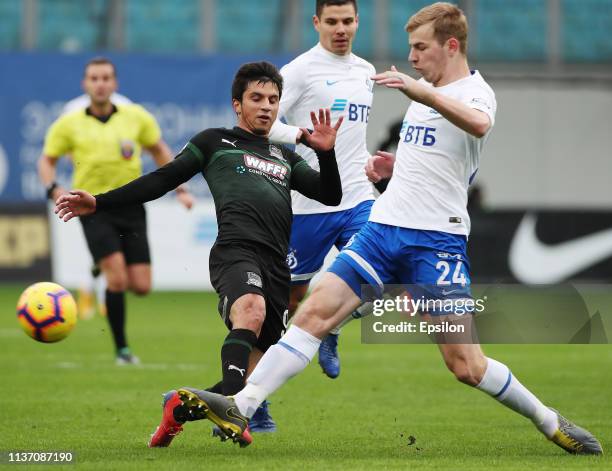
[
  {"x": 117, "y": 282},
  {"x": 463, "y": 371},
  {"x": 141, "y": 289},
  {"x": 251, "y": 315}
]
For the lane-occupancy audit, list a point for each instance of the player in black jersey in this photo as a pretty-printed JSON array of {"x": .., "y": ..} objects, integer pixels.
[{"x": 251, "y": 182}]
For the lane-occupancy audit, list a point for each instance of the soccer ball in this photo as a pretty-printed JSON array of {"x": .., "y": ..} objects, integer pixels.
[{"x": 47, "y": 312}]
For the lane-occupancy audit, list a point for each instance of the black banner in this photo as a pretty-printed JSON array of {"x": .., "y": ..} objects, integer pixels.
[
  {"x": 541, "y": 247},
  {"x": 24, "y": 243}
]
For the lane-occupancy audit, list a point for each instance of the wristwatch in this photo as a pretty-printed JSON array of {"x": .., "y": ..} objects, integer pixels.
[{"x": 52, "y": 186}]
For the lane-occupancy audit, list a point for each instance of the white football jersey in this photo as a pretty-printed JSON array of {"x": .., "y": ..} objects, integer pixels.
[
  {"x": 320, "y": 79},
  {"x": 435, "y": 164},
  {"x": 83, "y": 101}
]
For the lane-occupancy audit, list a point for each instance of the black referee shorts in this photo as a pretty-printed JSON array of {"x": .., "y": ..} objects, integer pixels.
[
  {"x": 118, "y": 230},
  {"x": 237, "y": 269}
]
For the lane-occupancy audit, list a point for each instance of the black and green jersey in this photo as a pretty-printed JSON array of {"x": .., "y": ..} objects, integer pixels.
[{"x": 250, "y": 179}]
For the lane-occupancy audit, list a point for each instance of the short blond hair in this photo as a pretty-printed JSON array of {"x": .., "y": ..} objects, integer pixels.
[{"x": 448, "y": 22}]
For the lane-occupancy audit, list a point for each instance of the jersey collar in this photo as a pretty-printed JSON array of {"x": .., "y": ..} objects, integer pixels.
[
  {"x": 330, "y": 55},
  {"x": 474, "y": 75},
  {"x": 102, "y": 119},
  {"x": 249, "y": 136}
]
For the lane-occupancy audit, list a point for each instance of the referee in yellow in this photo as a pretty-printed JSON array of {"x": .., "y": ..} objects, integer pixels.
[{"x": 105, "y": 142}]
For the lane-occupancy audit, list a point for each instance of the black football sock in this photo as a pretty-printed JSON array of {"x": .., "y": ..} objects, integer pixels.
[
  {"x": 235, "y": 359},
  {"x": 217, "y": 388},
  {"x": 115, "y": 312}
]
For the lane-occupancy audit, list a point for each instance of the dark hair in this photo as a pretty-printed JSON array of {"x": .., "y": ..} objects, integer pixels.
[
  {"x": 324, "y": 3},
  {"x": 100, "y": 61},
  {"x": 261, "y": 72}
]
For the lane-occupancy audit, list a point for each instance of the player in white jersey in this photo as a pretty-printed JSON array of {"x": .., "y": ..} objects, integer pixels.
[
  {"x": 416, "y": 234},
  {"x": 330, "y": 76}
]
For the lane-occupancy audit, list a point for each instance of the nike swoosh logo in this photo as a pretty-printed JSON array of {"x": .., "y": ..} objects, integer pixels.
[
  {"x": 330, "y": 83},
  {"x": 446, "y": 293},
  {"x": 531, "y": 261},
  {"x": 234, "y": 413}
]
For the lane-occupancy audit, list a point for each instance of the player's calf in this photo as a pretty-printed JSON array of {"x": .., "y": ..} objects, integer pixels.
[
  {"x": 330, "y": 303},
  {"x": 467, "y": 367},
  {"x": 235, "y": 352}
]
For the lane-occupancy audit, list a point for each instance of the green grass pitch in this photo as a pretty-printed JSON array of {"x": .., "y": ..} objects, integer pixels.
[{"x": 71, "y": 396}]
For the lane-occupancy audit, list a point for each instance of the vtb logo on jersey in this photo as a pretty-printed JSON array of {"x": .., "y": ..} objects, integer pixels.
[
  {"x": 265, "y": 166},
  {"x": 127, "y": 148},
  {"x": 356, "y": 111},
  {"x": 418, "y": 135}
]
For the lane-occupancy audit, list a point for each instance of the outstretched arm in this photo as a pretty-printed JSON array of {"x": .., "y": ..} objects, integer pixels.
[
  {"x": 146, "y": 188},
  {"x": 324, "y": 187},
  {"x": 162, "y": 155},
  {"x": 472, "y": 121}
]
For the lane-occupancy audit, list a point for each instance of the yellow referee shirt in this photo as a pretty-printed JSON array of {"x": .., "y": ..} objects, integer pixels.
[{"x": 105, "y": 155}]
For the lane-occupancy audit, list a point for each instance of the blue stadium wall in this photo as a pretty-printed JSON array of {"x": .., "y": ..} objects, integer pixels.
[{"x": 187, "y": 93}]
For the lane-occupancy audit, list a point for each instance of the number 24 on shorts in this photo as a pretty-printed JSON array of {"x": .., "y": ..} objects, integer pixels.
[{"x": 458, "y": 277}]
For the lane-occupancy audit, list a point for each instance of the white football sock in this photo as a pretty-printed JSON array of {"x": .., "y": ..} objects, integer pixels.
[
  {"x": 281, "y": 362},
  {"x": 499, "y": 382}
]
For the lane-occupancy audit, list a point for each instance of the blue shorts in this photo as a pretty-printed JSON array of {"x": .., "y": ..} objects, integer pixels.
[
  {"x": 313, "y": 235},
  {"x": 435, "y": 263}
]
